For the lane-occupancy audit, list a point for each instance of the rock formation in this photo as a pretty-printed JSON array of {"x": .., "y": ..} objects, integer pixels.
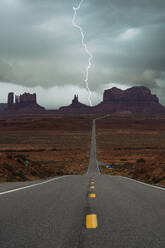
[
  {"x": 25, "y": 103},
  {"x": 3, "y": 107},
  {"x": 134, "y": 94},
  {"x": 137, "y": 100},
  {"x": 10, "y": 101},
  {"x": 75, "y": 107}
]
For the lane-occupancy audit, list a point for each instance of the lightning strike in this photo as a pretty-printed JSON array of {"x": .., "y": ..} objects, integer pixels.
[{"x": 85, "y": 48}]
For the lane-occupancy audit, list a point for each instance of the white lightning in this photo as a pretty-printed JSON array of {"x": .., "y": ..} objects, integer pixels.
[{"x": 85, "y": 48}]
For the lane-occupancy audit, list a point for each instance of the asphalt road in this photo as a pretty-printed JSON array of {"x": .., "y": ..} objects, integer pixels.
[{"x": 53, "y": 213}]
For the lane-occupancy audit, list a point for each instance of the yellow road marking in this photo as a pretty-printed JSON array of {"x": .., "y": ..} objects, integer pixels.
[
  {"x": 92, "y": 195},
  {"x": 92, "y": 187},
  {"x": 92, "y": 182},
  {"x": 91, "y": 221}
]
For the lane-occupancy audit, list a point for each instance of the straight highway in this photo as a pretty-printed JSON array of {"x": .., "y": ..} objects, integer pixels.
[{"x": 92, "y": 210}]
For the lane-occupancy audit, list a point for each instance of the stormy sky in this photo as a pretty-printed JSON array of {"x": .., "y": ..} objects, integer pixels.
[{"x": 40, "y": 50}]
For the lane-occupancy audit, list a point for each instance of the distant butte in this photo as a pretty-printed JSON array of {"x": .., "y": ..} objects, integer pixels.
[
  {"x": 135, "y": 100},
  {"x": 75, "y": 107},
  {"x": 25, "y": 103}
]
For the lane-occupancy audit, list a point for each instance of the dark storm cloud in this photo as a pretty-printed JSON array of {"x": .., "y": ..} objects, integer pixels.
[
  {"x": 39, "y": 46},
  {"x": 5, "y": 70}
]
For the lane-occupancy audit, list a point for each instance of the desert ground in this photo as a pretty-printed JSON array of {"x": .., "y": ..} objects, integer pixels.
[
  {"x": 59, "y": 145},
  {"x": 134, "y": 146},
  {"x": 52, "y": 145}
]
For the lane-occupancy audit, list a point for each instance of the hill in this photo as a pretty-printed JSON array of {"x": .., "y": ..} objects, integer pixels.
[{"x": 136, "y": 100}]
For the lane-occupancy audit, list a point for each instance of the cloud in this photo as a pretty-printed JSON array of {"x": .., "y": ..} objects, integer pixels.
[{"x": 39, "y": 47}]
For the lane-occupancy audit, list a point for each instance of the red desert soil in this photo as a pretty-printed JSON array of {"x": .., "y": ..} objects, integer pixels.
[
  {"x": 134, "y": 146},
  {"x": 53, "y": 145}
]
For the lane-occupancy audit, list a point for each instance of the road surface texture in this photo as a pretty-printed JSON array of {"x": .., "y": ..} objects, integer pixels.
[{"x": 53, "y": 213}]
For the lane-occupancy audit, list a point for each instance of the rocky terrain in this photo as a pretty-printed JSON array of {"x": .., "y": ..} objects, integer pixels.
[
  {"x": 133, "y": 146},
  {"x": 23, "y": 104},
  {"x": 52, "y": 145},
  {"x": 59, "y": 145},
  {"x": 135, "y": 100},
  {"x": 57, "y": 142},
  {"x": 3, "y": 106},
  {"x": 75, "y": 107}
]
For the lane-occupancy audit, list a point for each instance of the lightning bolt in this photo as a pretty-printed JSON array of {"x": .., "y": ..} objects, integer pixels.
[{"x": 76, "y": 9}]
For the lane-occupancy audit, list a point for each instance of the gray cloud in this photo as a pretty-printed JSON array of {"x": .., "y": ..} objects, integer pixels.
[
  {"x": 5, "y": 70},
  {"x": 40, "y": 48}
]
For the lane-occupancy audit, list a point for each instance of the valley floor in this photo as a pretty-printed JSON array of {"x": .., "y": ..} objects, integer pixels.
[{"x": 133, "y": 147}]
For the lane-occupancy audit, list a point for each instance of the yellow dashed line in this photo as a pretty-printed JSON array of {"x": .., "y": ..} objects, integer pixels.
[
  {"x": 91, "y": 221},
  {"x": 92, "y": 187},
  {"x": 92, "y": 182},
  {"x": 92, "y": 195}
]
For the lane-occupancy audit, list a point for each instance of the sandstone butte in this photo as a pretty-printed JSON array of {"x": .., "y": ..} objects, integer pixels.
[{"x": 135, "y": 100}]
